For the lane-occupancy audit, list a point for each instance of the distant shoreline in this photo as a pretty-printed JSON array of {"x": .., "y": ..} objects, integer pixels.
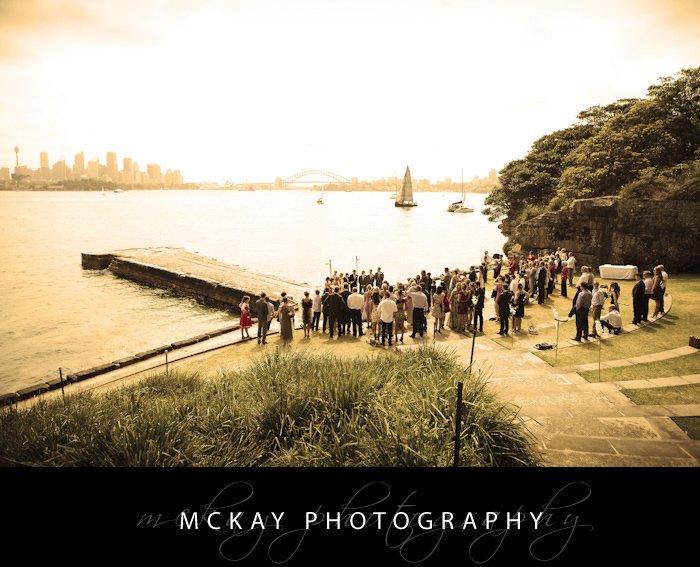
[{"x": 236, "y": 189}]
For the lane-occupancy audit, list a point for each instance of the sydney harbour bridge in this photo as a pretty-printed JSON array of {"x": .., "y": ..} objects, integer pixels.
[{"x": 305, "y": 177}]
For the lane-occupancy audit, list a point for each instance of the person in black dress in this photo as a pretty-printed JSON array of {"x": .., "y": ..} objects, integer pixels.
[
  {"x": 306, "y": 314},
  {"x": 638, "y": 300}
]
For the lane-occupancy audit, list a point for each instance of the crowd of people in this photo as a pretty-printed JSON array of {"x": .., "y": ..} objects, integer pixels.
[{"x": 366, "y": 303}]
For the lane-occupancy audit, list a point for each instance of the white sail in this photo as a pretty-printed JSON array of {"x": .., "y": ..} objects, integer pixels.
[{"x": 406, "y": 193}]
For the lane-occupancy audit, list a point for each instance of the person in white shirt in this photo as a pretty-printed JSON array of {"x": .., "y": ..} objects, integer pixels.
[
  {"x": 420, "y": 304},
  {"x": 612, "y": 320},
  {"x": 571, "y": 266},
  {"x": 586, "y": 276},
  {"x": 514, "y": 285},
  {"x": 316, "y": 307},
  {"x": 387, "y": 311},
  {"x": 664, "y": 280},
  {"x": 597, "y": 305},
  {"x": 355, "y": 304}
]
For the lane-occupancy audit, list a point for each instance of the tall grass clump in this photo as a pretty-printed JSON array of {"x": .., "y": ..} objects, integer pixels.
[{"x": 285, "y": 409}]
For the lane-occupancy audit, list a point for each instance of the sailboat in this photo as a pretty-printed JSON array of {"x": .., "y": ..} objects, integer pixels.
[
  {"x": 405, "y": 196},
  {"x": 320, "y": 199},
  {"x": 460, "y": 206}
]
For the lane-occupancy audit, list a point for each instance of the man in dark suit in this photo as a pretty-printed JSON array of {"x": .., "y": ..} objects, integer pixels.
[
  {"x": 426, "y": 283},
  {"x": 336, "y": 306},
  {"x": 366, "y": 280},
  {"x": 379, "y": 277},
  {"x": 352, "y": 279},
  {"x": 261, "y": 314},
  {"x": 583, "y": 306},
  {"x": 503, "y": 307},
  {"x": 479, "y": 292},
  {"x": 345, "y": 318},
  {"x": 638, "y": 299},
  {"x": 541, "y": 281}
]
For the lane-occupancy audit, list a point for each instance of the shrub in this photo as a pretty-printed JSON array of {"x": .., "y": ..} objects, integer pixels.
[{"x": 285, "y": 409}]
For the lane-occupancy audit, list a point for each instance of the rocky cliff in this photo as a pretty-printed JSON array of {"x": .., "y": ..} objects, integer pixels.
[{"x": 617, "y": 230}]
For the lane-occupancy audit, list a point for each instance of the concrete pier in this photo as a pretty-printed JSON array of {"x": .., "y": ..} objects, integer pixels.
[{"x": 186, "y": 273}]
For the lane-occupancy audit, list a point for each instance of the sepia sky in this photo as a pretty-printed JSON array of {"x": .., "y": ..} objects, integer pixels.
[{"x": 255, "y": 89}]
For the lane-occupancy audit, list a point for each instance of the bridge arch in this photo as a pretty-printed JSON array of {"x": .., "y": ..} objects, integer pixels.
[{"x": 307, "y": 175}]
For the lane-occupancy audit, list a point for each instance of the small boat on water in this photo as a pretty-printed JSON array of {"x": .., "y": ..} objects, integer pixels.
[
  {"x": 319, "y": 201},
  {"x": 461, "y": 205},
  {"x": 119, "y": 190},
  {"x": 405, "y": 196}
]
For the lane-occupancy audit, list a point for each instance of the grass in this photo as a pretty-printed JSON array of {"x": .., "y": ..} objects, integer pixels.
[
  {"x": 690, "y": 425},
  {"x": 688, "y": 394},
  {"x": 680, "y": 366},
  {"x": 671, "y": 331},
  {"x": 285, "y": 409}
]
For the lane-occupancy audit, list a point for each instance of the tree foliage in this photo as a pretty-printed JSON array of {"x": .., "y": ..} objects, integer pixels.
[{"x": 645, "y": 147}]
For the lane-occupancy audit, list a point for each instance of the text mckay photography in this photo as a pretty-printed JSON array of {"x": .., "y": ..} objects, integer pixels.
[{"x": 406, "y": 524}]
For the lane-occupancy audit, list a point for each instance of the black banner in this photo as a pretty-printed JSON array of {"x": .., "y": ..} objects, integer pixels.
[{"x": 347, "y": 516}]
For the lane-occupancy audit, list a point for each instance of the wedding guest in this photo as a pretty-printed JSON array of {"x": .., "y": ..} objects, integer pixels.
[
  {"x": 564, "y": 278},
  {"x": 246, "y": 321},
  {"x": 583, "y": 306},
  {"x": 374, "y": 316},
  {"x": 400, "y": 320},
  {"x": 420, "y": 304},
  {"x": 612, "y": 320},
  {"x": 345, "y": 315},
  {"x": 615, "y": 295},
  {"x": 571, "y": 265},
  {"x": 438, "y": 309},
  {"x": 261, "y": 312},
  {"x": 336, "y": 306},
  {"x": 541, "y": 282},
  {"x": 664, "y": 280},
  {"x": 355, "y": 304},
  {"x": 638, "y": 299},
  {"x": 503, "y": 307},
  {"x": 306, "y": 314},
  {"x": 285, "y": 315},
  {"x": 656, "y": 291},
  {"x": 325, "y": 308},
  {"x": 447, "y": 278},
  {"x": 479, "y": 293},
  {"x": 519, "y": 303},
  {"x": 387, "y": 312},
  {"x": 648, "y": 285},
  {"x": 317, "y": 307},
  {"x": 379, "y": 277},
  {"x": 367, "y": 306},
  {"x": 597, "y": 302}
]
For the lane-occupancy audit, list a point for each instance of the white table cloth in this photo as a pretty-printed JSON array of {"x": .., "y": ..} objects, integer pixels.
[{"x": 613, "y": 272}]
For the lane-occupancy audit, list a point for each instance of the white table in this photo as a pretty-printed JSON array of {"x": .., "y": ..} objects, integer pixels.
[{"x": 612, "y": 272}]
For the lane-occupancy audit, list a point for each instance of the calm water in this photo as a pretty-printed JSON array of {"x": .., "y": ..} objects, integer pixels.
[{"x": 56, "y": 314}]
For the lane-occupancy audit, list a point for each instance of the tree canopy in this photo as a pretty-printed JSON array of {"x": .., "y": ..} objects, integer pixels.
[{"x": 646, "y": 147}]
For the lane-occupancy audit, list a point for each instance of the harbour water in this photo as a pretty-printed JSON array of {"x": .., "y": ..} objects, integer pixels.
[{"x": 54, "y": 314}]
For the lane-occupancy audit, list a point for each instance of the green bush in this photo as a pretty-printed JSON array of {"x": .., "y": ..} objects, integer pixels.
[{"x": 285, "y": 409}]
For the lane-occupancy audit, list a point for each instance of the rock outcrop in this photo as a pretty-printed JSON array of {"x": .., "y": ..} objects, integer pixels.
[{"x": 618, "y": 230}]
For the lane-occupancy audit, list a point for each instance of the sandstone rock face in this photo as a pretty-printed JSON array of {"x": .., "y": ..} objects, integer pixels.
[{"x": 614, "y": 230}]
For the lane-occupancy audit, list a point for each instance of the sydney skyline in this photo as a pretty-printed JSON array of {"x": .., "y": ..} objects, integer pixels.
[{"x": 252, "y": 90}]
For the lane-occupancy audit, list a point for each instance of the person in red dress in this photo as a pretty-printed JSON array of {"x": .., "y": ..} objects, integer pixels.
[{"x": 246, "y": 321}]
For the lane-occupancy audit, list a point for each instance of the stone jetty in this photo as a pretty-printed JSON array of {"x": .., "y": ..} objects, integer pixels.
[{"x": 186, "y": 273}]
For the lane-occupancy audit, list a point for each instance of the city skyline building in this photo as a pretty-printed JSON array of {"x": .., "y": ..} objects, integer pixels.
[
  {"x": 112, "y": 168},
  {"x": 44, "y": 171},
  {"x": 79, "y": 165},
  {"x": 95, "y": 169}
]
